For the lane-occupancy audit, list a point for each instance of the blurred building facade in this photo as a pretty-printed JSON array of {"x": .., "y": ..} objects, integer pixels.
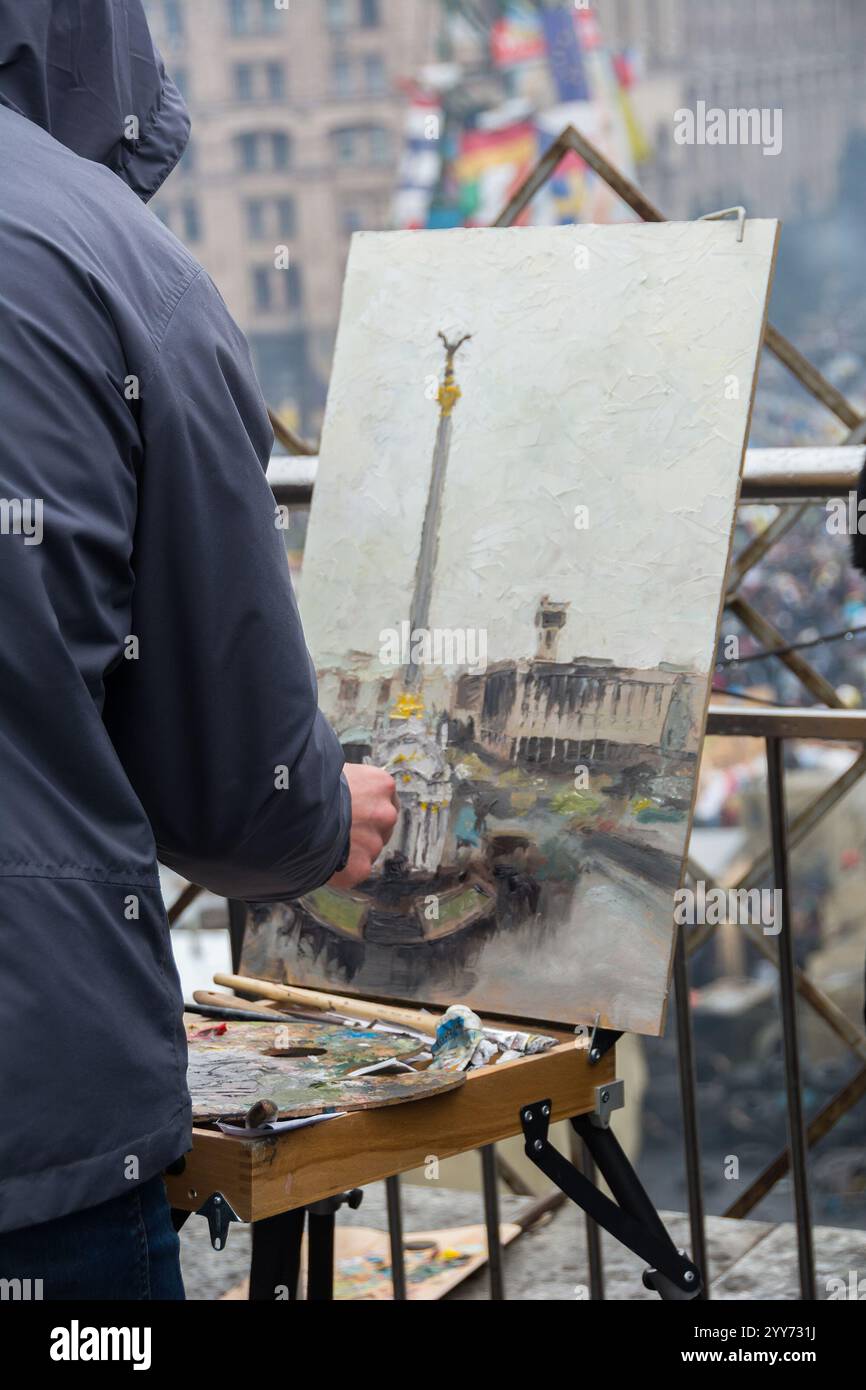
[
  {"x": 803, "y": 58},
  {"x": 297, "y": 125},
  {"x": 300, "y": 130}
]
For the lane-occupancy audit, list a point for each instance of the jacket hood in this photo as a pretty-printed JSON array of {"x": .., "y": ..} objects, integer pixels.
[{"x": 81, "y": 69}]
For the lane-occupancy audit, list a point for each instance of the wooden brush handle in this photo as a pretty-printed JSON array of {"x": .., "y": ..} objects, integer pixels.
[
  {"x": 418, "y": 1019},
  {"x": 213, "y": 1000}
]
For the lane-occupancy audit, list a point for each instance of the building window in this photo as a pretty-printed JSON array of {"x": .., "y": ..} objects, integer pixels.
[
  {"x": 173, "y": 14},
  {"x": 253, "y": 17},
  {"x": 371, "y": 16},
  {"x": 268, "y": 149},
  {"x": 280, "y": 150},
  {"x": 375, "y": 80},
  {"x": 276, "y": 81},
  {"x": 341, "y": 76},
  {"x": 276, "y": 289},
  {"x": 337, "y": 14},
  {"x": 239, "y": 18},
  {"x": 270, "y": 218},
  {"x": 270, "y": 17},
  {"x": 287, "y": 222},
  {"x": 180, "y": 77},
  {"x": 187, "y": 162},
  {"x": 255, "y": 215},
  {"x": 380, "y": 145},
  {"x": 344, "y": 146},
  {"x": 362, "y": 145},
  {"x": 283, "y": 371},
  {"x": 262, "y": 278},
  {"x": 259, "y": 81},
  {"x": 191, "y": 221},
  {"x": 363, "y": 214},
  {"x": 248, "y": 151},
  {"x": 244, "y": 81},
  {"x": 292, "y": 284}
]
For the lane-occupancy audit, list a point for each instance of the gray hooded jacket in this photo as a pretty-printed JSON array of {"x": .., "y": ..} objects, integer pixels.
[{"x": 153, "y": 674}]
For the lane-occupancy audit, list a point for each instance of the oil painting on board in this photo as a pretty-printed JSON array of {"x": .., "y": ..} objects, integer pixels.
[{"x": 511, "y": 590}]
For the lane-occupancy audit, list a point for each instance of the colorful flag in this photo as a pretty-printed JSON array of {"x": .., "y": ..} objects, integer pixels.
[
  {"x": 421, "y": 161},
  {"x": 490, "y": 167},
  {"x": 564, "y": 55},
  {"x": 518, "y": 37},
  {"x": 626, "y": 141}
]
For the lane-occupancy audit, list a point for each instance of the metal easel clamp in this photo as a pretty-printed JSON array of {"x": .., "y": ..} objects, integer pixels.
[
  {"x": 220, "y": 1215},
  {"x": 739, "y": 213},
  {"x": 632, "y": 1219},
  {"x": 601, "y": 1039},
  {"x": 329, "y": 1206},
  {"x": 609, "y": 1097}
]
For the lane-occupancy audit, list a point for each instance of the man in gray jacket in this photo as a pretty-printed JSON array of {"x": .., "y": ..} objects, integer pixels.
[{"x": 156, "y": 697}]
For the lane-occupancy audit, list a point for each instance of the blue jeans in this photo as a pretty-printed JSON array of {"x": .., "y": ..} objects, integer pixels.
[{"x": 124, "y": 1249}]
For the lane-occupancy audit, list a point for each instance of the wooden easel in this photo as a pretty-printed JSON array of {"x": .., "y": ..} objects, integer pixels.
[{"x": 277, "y": 1183}]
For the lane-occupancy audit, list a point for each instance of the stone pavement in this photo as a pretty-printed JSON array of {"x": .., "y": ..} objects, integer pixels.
[{"x": 748, "y": 1259}]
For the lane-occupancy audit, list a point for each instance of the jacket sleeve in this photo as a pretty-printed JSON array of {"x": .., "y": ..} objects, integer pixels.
[{"x": 213, "y": 709}]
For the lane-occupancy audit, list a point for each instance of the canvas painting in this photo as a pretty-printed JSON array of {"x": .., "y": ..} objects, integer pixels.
[{"x": 511, "y": 589}]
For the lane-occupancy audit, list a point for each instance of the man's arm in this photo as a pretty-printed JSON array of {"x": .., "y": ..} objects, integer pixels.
[{"x": 215, "y": 716}]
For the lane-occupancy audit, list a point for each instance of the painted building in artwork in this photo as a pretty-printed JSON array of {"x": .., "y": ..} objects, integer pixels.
[
  {"x": 559, "y": 714},
  {"x": 552, "y": 713}
]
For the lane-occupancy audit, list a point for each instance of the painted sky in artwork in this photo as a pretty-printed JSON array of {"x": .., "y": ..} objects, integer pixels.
[
  {"x": 583, "y": 487},
  {"x": 609, "y": 367}
]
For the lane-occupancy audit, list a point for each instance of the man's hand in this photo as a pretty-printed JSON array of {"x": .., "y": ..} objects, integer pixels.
[{"x": 374, "y": 815}]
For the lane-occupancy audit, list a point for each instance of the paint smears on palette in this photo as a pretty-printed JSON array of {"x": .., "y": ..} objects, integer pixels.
[
  {"x": 511, "y": 589},
  {"x": 301, "y": 1069}
]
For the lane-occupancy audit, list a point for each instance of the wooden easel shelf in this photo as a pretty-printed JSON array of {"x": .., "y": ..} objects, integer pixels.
[{"x": 261, "y": 1178}]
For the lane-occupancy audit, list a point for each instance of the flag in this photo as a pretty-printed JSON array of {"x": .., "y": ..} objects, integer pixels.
[
  {"x": 421, "y": 160},
  {"x": 490, "y": 167},
  {"x": 627, "y": 143},
  {"x": 518, "y": 37},
  {"x": 564, "y": 54}
]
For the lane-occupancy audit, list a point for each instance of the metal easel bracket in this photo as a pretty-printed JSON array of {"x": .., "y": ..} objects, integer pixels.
[
  {"x": 634, "y": 1222},
  {"x": 609, "y": 1097},
  {"x": 739, "y": 213},
  {"x": 601, "y": 1040},
  {"x": 220, "y": 1214}
]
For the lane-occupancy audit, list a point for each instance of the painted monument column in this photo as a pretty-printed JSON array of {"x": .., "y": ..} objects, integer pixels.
[{"x": 408, "y": 749}]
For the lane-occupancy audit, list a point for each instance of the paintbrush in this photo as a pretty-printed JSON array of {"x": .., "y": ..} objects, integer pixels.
[
  {"x": 267, "y": 1012},
  {"x": 417, "y": 1020},
  {"x": 230, "y": 1015}
]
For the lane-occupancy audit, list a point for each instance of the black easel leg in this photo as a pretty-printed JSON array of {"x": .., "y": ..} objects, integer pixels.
[
  {"x": 320, "y": 1257},
  {"x": 321, "y": 1234},
  {"x": 490, "y": 1183},
  {"x": 623, "y": 1181},
  {"x": 276, "y": 1260},
  {"x": 631, "y": 1219},
  {"x": 582, "y": 1161},
  {"x": 395, "y": 1231},
  {"x": 798, "y": 1148},
  {"x": 688, "y": 1094}
]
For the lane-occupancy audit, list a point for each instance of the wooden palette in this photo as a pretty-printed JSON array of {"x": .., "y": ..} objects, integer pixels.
[{"x": 301, "y": 1066}]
